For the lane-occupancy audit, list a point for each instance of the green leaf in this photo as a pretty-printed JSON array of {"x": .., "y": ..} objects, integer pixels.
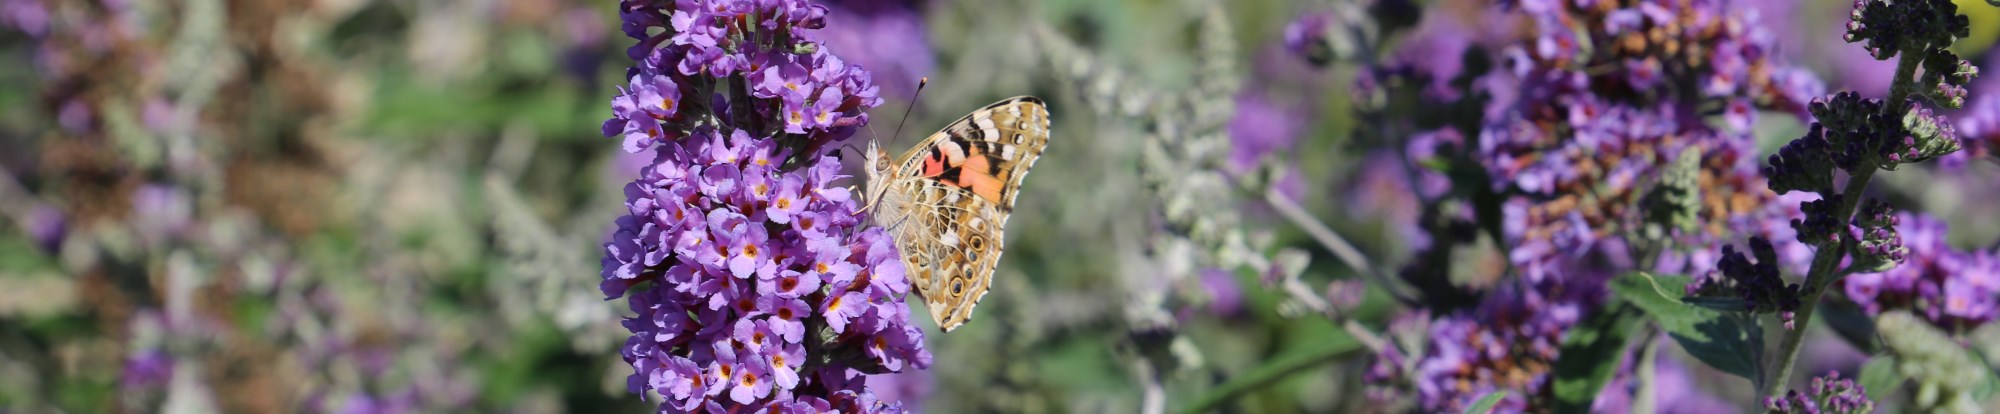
[
  {"x": 1848, "y": 321},
  {"x": 1717, "y": 339},
  {"x": 1879, "y": 377},
  {"x": 1719, "y": 304},
  {"x": 1591, "y": 355},
  {"x": 1485, "y": 404}
]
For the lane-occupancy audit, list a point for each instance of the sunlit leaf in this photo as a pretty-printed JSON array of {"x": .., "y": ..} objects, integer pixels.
[{"x": 1713, "y": 337}]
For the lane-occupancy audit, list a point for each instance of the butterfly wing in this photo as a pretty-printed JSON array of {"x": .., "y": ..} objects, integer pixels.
[{"x": 957, "y": 189}]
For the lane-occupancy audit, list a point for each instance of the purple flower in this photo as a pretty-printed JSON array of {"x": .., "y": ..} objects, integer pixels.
[
  {"x": 1956, "y": 290},
  {"x": 1758, "y": 284},
  {"x": 740, "y": 255},
  {"x": 1508, "y": 342},
  {"x": 1829, "y": 394},
  {"x": 161, "y": 212},
  {"x": 889, "y": 38},
  {"x": 1260, "y": 128},
  {"x": 47, "y": 226},
  {"x": 1307, "y": 37},
  {"x": 147, "y": 369}
]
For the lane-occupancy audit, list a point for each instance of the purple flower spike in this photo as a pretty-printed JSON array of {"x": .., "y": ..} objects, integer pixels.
[{"x": 741, "y": 254}]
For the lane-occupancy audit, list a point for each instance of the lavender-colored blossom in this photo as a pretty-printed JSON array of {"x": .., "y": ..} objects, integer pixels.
[
  {"x": 1588, "y": 117},
  {"x": 161, "y": 212},
  {"x": 1956, "y": 290},
  {"x": 28, "y": 16},
  {"x": 46, "y": 225},
  {"x": 1260, "y": 128},
  {"x": 1307, "y": 37},
  {"x": 1979, "y": 122},
  {"x": 753, "y": 282},
  {"x": 889, "y": 38},
  {"x": 1508, "y": 342},
  {"x": 1829, "y": 394},
  {"x": 1564, "y": 137},
  {"x": 147, "y": 369},
  {"x": 1225, "y": 295}
]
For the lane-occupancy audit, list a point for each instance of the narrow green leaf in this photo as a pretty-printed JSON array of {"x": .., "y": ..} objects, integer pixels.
[
  {"x": 1590, "y": 356},
  {"x": 1485, "y": 404},
  {"x": 1879, "y": 377},
  {"x": 1713, "y": 337}
]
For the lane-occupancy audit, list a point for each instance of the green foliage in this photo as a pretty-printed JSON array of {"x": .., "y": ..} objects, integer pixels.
[
  {"x": 1879, "y": 377},
  {"x": 1947, "y": 377},
  {"x": 1485, "y": 404},
  {"x": 1591, "y": 354},
  {"x": 1726, "y": 341}
]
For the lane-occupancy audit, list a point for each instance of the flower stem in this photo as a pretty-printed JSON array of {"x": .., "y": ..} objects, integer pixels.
[
  {"x": 1827, "y": 260},
  {"x": 1817, "y": 280},
  {"x": 1335, "y": 244}
]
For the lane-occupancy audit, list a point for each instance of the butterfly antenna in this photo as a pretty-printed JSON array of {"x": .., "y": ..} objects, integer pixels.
[
  {"x": 913, "y": 105},
  {"x": 850, "y": 146}
]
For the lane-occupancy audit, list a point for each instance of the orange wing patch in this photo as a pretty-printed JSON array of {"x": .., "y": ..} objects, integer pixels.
[
  {"x": 977, "y": 175},
  {"x": 964, "y": 165}
]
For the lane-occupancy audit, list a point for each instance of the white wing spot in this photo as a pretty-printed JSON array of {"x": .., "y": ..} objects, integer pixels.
[
  {"x": 950, "y": 238},
  {"x": 1007, "y": 153}
]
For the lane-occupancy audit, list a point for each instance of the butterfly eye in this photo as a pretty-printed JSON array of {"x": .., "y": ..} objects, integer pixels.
[{"x": 881, "y": 162}]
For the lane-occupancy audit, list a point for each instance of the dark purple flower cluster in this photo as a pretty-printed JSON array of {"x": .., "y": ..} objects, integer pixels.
[
  {"x": 1819, "y": 226},
  {"x": 1761, "y": 287},
  {"x": 1830, "y": 394},
  {"x": 1956, "y": 290},
  {"x": 753, "y": 282},
  {"x": 1890, "y": 27},
  {"x": 1863, "y": 135},
  {"x": 1803, "y": 164}
]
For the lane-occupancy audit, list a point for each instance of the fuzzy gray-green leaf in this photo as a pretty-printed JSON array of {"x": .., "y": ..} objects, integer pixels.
[{"x": 1879, "y": 377}]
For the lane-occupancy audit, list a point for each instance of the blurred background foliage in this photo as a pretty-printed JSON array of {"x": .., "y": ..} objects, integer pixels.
[{"x": 322, "y": 205}]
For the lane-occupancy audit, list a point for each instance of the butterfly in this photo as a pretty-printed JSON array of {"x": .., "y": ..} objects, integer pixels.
[{"x": 946, "y": 201}]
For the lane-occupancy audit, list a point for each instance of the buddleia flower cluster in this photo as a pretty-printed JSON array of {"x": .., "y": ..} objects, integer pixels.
[
  {"x": 1593, "y": 153},
  {"x": 754, "y": 284},
  {"x": 1829, "y": 394}
]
